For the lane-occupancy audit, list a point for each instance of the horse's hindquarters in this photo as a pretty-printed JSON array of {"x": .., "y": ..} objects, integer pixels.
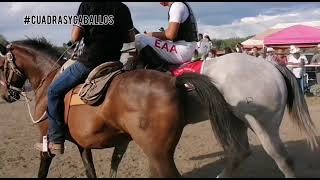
[
  {"x": 195, "y": 110},
  {"x": 250, "y": 85}
]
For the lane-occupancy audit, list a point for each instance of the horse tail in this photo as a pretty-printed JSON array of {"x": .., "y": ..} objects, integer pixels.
[
  {"x": 297, "y": 106},
  {"x": 223, "y": 122}
]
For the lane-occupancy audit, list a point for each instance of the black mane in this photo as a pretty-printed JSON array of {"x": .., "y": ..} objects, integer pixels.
[{"x": 42, "y": 45}]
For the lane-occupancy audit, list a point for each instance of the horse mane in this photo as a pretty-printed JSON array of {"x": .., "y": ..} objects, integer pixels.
[{"x": 42, "y": 45}]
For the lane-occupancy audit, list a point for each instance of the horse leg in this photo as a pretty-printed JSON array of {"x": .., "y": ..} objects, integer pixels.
[
  {"x": 272, "y": 144},
  {"x": 237, "y": 154},
  {"x": 117, "y": 156},
  {"x": 159, "y": 147},
  {"x": 45, "y": 162},
  {"x": 164, "y": 166},
  {"x": 152, "y": 170},
  {"x": 161, "y": 155},
  {"x": 86, "y": 156}
]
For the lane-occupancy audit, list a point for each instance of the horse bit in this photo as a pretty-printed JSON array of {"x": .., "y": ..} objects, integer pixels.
[
  {"x": 14, "y": 92},
  {"x": 11, "y": 68}
]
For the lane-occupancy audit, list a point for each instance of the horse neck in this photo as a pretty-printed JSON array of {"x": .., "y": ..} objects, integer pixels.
[{"x": 36, "y": 66}]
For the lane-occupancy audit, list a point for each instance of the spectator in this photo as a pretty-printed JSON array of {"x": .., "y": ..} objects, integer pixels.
[
  {"x": 212, "y": 54},
  {"x": 207, "y": 38},
  {"x": 200, "y": 37},
  {"x": 204, "y": 46},
  {"x": 239, "y": 48},
  {"x": 245, "y": 51},
  {"x": 196, "y": 56},
  {"x": 263, "y": 54},
  {"x": 295, "y": 58},
  {"x": 255, "y": 51},
  {"x": 227, "y": 50},
  {"x": 281, "y": 58},
  {"x": 316, "y": 57},
  {"x": 270, "y": 54}
]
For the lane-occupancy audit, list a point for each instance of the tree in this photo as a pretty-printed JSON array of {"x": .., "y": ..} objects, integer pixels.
[
  {"x": 231, "y": 42},
  {"x": 161, "y": 29},
  {"x": 3, "y": 40}
]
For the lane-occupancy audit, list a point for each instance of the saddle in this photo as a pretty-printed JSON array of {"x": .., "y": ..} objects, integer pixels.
[
  {"x": 193, "y": 67},
  {"x": 177, "y": 70},
  {"x": 93, "y": 91}
]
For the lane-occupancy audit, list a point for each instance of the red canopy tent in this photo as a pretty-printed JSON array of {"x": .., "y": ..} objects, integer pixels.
[{"x": 299, "y": 35}]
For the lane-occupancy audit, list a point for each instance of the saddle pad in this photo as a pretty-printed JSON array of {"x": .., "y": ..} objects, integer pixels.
[
  {"x": 72, "y": 99},
  {"x": 195, "y": 67},
  {"x": 94, "y": 88},
  {"x": 75, "y": 100}
]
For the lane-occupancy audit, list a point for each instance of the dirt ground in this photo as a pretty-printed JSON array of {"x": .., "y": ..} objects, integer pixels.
[{"x": 197, "y": 154}]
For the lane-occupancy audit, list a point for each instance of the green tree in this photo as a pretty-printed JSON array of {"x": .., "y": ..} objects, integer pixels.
[
  {"x": 230, "y": 42},
  {"x": 161, "y": 29},
  {"x": 3, "y": 40}
]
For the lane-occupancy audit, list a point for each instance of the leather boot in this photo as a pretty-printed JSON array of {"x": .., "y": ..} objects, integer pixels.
[{"x": 149, "y": 57}]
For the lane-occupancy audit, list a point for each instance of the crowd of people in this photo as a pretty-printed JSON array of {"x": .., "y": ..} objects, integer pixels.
[
  {"x": 206, "y": 50},
  {"x": 293, "y": 57}
]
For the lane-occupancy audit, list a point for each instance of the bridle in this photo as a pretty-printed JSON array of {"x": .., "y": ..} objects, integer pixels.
[
  {"x": 11, "y": 69},
  {"x": 13, "y": 91}
]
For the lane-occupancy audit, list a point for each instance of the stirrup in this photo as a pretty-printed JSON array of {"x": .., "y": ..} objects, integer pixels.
[{"x": 52, "y": 148}]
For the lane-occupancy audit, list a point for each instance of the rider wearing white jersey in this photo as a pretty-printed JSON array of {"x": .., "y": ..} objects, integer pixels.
[{"x": 177, "y": 43}]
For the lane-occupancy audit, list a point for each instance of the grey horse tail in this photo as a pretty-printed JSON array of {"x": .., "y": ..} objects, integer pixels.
[
  {"x": 297, "y": 106},
  {"x": 223, "y": 122}
]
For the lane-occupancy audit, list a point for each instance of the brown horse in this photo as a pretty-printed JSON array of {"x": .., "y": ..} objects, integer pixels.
[{"x": 146, "y": 106}]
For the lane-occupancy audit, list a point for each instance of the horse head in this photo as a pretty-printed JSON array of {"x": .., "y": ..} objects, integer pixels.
[
  {"x": 3, "y": 51},
  {"x": 136, "y": 31},
  {"x": 11, "y": 78}
]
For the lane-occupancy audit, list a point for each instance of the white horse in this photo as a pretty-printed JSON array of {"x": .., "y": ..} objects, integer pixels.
[{"x": 258, "y": 92}]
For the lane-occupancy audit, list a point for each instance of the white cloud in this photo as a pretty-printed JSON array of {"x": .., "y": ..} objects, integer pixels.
[
  {"x": 47, "y": 8},
  {"x": 13, "y": 28},
  {"x": 15, "y": 7},
  {"x": 252, "y": 25},
  {"x": 151, "y": 16}
]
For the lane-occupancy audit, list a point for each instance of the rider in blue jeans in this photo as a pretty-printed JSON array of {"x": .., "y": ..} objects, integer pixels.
[
  {"x": 72, "y": 76},
  {"x": 102, "y": 43}
]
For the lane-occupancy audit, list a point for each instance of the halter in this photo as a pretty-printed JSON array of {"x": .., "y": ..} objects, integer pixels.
[{"x": 11, "y": 68}]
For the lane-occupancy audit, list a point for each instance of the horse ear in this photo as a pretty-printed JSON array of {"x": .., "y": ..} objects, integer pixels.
[
  {"x": 1, "y": 62},
  {"x": 136, "y": 30},
  {"x": 3, "y": 50}
]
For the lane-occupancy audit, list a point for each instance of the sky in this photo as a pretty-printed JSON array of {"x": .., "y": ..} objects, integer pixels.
[{"x": 219, "y": 20}]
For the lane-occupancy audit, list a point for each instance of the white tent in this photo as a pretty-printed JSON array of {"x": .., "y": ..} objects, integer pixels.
[
  {"x": 252, "y": 42},
  {"x": 257, "y": 40}
]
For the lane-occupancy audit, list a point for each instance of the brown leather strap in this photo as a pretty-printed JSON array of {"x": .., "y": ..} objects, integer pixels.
[{"x": 67, "y": 100}]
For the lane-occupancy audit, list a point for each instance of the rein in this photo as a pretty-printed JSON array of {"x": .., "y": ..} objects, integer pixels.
[{"x": 10, "y": 66}]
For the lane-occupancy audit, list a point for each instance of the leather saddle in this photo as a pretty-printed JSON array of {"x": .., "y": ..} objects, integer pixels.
[{"x": 92, "y": 92}]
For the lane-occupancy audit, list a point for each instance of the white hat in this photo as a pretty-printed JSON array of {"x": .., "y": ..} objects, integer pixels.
[
  {"x": 318, "y": 45},
  {"x": 294, "y": 49},
  {"x": 270, "y": 49}
]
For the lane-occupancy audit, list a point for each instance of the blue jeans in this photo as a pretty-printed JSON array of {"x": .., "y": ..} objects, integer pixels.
[
  {"x": 71, "y": 77},
  {"x": 301, "y": 83}
]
